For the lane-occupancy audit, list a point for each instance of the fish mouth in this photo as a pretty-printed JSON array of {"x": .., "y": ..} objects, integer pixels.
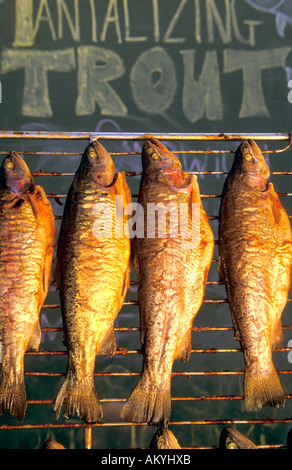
[
  {"x": 253, "y": 165},
  {"x": 161, "y": 165},
  {"x": 97, "y": 165},
  {"x": 99, "y": 156},
  {"x": 153, "y": 150}
]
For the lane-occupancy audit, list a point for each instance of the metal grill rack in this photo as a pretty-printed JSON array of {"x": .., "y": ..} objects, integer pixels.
[{"x": 207, "y": 390}]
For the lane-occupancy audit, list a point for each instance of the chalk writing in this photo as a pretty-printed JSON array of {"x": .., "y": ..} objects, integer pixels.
[
  {"x": 150, "y": 95},
  {"x": 118, "y": 18},
  {"x": 168, "y": 74},
  {"x": 97, "y": 67},
  {"x": 37, "y": 64},
  {"x": 252, "y": 64}
]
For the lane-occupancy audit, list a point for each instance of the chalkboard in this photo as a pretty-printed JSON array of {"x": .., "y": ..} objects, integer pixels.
[
  {"x": 147, "y": 66},
  {"x": 154, "y": 65}
]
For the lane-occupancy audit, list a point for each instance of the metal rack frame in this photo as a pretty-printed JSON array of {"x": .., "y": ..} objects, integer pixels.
[{"x": 285, "y": 138}]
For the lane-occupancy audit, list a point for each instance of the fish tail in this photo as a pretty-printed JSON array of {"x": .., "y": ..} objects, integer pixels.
[
  {"x": 148, "y": 404},
  {"x": 13, "y": 396},
  {"x": 262, "y": 388},
  {"x": 79, "y": 396}
]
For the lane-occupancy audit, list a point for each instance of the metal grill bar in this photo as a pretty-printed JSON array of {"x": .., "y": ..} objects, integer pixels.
[
  {"x": 171, "y": 423},
  {"x": 44, "y": 135}
]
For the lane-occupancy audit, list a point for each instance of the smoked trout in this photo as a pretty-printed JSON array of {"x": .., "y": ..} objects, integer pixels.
[
  {"x": 164, "y": 439},
  {"x": 171, "y": 260},
  {"x": 92, "y": 275},
  {"x": 255, "y": 260},
  {"x": 27, "y": 241},
  {"x": 50, "y": 444},
  {"x": 231, "y": 438}
]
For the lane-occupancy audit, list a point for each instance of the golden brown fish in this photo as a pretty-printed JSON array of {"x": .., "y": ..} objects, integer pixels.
[
  {"x": 164, "y": 439},
  {"x": 172, "y": 269},
  {"x": 231, "y": 438},
  {"x": 92, "y": 274},
  {"x": 255, "y": 259},
  {"x": 27, "y": 240},
  {"x": 50, "y": 444}
]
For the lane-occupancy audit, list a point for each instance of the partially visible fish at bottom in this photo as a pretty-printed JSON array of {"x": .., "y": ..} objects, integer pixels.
[
  {"x": 231, "y": 438},
  {"x": 164, "y": 439}
]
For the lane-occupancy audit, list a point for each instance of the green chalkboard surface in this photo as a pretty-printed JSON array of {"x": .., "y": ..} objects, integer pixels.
[
  {"x": 154, "y": 65},
  {"x": 148, "y": 66}
]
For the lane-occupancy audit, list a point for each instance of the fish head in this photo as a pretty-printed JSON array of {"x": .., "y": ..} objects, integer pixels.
[
  {"x": 250, "y": 164},
  {"x": 15, "y": 176},
  {"x": 160, "y": 164},
  {"x": 97, "y": 165}
]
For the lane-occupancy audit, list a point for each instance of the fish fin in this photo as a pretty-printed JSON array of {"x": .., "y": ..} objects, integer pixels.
[
  {"x": 80, "y": 397},
  {"x": 135, "y": 262},
  {"x": 223, "y": 277},
  {"x": 221, "y": 269},
  {"x": 35, "y": 338},
  {"x": 47, "y": 269},
  {"x": 33, "y": 205},
  {"x": 147, "y": 404},
  {"x": 108, "y": 345},
  {"x": 126, "y": 283},
  {"x": 185, "y": 346},
  {"x": 43, "y": 210},
  {"x": 277, "y": 336},
  {"x": 262, "y": 388},
  {"x": 13, "y": 397},
  {"x": 122, "y": 188},
  {"x": 46, "y": 274},
  {"x": 56, "y": 274}
]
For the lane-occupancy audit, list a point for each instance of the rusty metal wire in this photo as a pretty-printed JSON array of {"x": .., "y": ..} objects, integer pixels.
[{"x": 286, "y": 138}]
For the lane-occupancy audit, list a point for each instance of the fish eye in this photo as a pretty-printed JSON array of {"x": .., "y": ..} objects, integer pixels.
[
  {"x": 10, "y": 165},
  {"x": 154, "y": 156},
  {"x": 231, "y": 445},
  {"x": 92, "y": 154},
  {"x": 248, "y": 157}
]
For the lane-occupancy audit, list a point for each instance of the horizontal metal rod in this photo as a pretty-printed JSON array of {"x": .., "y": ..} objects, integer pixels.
[
  {"x": 140, "y": 135},
  {"x": 139, "y": 173},
  {"x": 136, "y": 328},
  {"x": 10, "y": 427},
  {"x": 136, "y": 374},
  {"x": 210, "y": 217},
  {"x": 52, "y": 195},
  {"x": 135, "y": 302},
  {"x": 121, "y": 154},
  {"x": 50, "y": 401},
  {"x": 125, "y": 351}
]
